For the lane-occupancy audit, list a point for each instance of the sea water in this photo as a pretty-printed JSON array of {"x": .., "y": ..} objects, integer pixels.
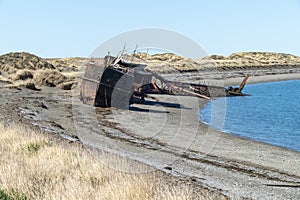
[{"x": 271, "y": 114}]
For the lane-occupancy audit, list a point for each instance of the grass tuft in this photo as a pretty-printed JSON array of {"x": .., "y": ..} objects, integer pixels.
[
  {"x": 49, "y": 78},
  {"x": 22, "y": 75},
  {"x": 12, "y": 195},
  {"x": 34, "y": 147}
]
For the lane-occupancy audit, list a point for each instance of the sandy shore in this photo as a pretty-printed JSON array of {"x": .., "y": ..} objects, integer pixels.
[
  {"x": 263, "y": 79},
  {"x": 235, "y": 77},
  {"x": 186, "y": 147},
  {"x": 168, "y": 136}
]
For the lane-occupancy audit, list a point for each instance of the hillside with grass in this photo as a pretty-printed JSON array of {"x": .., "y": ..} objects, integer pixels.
[
  {"x": 164, "y": 63},
  {"x": 22, "y": 69},
  {"x": 254, "y": 60}
]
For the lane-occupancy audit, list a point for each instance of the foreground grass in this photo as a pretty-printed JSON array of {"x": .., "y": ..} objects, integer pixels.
[{"x": 34, "y": 166}]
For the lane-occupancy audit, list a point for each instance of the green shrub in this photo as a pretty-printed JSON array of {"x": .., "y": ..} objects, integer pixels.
[{"x": 12, "y": 195}]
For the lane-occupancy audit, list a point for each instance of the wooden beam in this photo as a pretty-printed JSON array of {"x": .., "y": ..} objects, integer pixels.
[{"x": 243, "y": 84}]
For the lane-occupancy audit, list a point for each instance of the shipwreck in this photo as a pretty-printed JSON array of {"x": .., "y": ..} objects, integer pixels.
[{"x": 123, "y": 80}]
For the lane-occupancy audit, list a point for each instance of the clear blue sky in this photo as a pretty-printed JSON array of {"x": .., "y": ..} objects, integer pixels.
[{"x": 65, "y": 28}]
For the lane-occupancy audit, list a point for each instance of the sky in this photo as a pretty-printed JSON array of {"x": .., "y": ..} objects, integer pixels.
[{"x": 65, "y": 28}]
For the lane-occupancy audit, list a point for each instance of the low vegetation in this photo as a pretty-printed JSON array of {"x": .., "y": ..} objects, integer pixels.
[
  {"x": 164, "y": 57},
  {"x": 23, "y": 69},
  {"x": 12, "y": 62},
  {"x": 67, "y": 64},
  {"x": 29, "y": 84},
  {"x": 22, "y": 75},
  {"x": 49, "y": 78},
  {"x": 34, "y": 166}
]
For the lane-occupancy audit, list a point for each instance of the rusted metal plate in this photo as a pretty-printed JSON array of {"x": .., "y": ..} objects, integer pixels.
[
  {"x": 90, "y": 82},
  {"x": 115, "y": 89}
]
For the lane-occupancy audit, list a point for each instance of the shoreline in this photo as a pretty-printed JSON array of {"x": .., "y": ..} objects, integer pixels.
[
  {"x": 253, "y": 81},
  {"x": 255, "y": 162},
  {"x": 264, "y": 79},
  {"x": 216, "y": 159},
  {"x": 167, "y": 136}
]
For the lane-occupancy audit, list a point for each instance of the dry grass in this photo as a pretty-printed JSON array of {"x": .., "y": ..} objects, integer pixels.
[
  {"x": 22, "y": 75},
  {"x": 29, "y": 84},
  {"x": 12, "y": 62},
  {"x": 72, "y": 75},
  {"x": 34, "y": 166},
  {"x": 67, "y": 85},
  {"x": 50, "y": 78},
  {"x": 4, "y": 79},
  {"x": 67, "y": 64}
]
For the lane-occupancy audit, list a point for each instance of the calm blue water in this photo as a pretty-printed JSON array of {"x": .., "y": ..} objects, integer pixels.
[{"x": 271, "y": 114}]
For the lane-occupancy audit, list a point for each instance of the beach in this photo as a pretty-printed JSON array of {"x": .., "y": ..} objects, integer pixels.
[
  {"x": 233, "y": 165},
  {"x": 166, "y": 134}
]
